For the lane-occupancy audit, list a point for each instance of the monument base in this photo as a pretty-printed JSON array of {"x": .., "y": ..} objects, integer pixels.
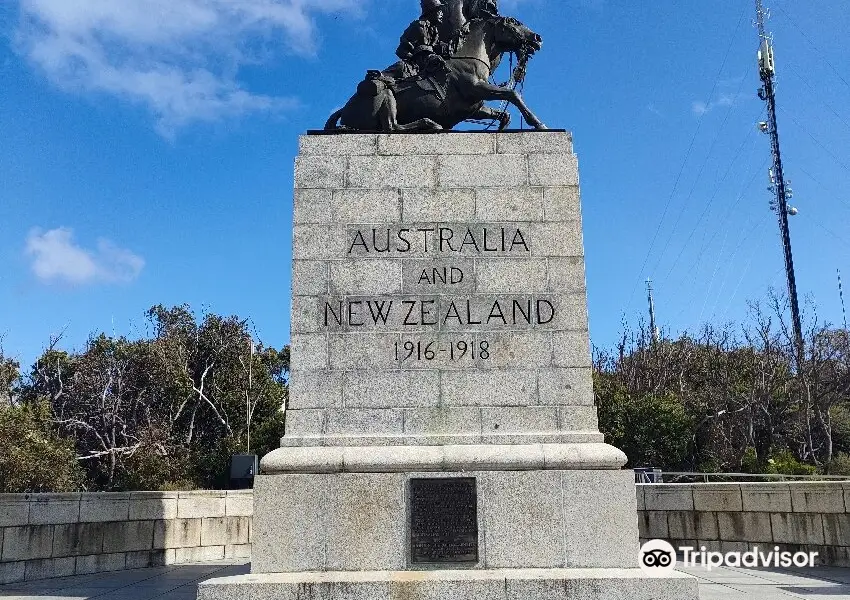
[{"x": 498, "y": 584}]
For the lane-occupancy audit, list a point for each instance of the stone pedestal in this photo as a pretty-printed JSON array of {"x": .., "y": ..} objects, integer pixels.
[{"x": 439, "y": 330}]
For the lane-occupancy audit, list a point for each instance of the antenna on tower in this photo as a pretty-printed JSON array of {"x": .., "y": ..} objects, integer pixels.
[
  {"x": 778, "y": 185},
  {"x": 653, "y": 328},
  {"x": 841, "y": 297}
]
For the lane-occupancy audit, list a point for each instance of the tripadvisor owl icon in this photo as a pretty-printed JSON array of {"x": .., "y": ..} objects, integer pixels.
[{"x": 657, "y": 558}]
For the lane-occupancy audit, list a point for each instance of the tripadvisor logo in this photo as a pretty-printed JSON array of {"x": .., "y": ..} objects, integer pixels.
[{"x": 657, "y": 558}]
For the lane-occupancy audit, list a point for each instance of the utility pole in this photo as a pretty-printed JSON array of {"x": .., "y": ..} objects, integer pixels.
[
  {"x": 841, "y": 297},
  {"x": 652, "y": 326},
  {"x": 783, "y": 193}
]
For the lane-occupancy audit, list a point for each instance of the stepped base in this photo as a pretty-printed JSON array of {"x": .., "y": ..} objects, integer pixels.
[{"x": 499, "y": 584}]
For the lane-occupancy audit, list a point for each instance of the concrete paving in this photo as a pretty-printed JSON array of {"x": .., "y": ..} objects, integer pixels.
[{"x": 180, "y": 582}]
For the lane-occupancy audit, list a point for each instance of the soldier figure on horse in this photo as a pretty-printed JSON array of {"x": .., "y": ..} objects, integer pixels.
[{"x": 442, "y": 77}]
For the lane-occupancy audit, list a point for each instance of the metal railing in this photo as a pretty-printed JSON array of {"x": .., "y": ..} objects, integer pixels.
[{"x": 657, "y": 476}]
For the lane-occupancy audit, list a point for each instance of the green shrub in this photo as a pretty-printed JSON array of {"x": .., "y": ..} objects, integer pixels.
[
  {"x": 33, "y": 458},
  {"x": 784, "y": 462}
]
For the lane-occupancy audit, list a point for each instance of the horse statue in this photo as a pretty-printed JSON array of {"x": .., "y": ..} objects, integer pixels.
[{"x": 437, "y": 102}]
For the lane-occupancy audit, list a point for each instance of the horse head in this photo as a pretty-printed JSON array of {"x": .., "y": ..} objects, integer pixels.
[{"x": 512, "y": 36}]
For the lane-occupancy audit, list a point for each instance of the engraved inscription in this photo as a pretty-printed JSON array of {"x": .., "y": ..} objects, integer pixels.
[{"x": 443, "y": 520}]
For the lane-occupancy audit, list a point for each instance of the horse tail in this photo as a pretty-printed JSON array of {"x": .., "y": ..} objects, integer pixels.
[{"x": 333, "y": 119}]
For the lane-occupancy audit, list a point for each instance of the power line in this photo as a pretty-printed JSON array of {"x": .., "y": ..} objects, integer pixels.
[
  {"x": 699, "y": 175},
  {"x": 812, "y": 44},
  {"x": 711, "y": 200},
  {"x": 685, "y": 162}
]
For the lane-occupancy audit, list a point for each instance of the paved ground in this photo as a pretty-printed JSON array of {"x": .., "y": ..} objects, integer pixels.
[{"x": 181, "y": 582}]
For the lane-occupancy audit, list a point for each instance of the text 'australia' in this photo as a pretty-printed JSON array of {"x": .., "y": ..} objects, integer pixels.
[{"x": 437, "y": 240}]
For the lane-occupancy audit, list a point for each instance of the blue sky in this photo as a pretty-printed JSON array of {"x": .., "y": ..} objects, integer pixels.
[{"x": 146, "y": 152}]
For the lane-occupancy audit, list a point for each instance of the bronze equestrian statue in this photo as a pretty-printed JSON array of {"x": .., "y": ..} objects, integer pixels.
[{"x": 440, "y": 83}]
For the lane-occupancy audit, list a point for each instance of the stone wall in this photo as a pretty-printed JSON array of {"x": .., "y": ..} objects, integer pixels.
[
  {"x": 798, "y": 516},
  {"x": 54, "y": 535}
]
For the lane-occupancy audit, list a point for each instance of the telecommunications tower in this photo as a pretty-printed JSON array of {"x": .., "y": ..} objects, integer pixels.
[{"x": 778, "y": 185}]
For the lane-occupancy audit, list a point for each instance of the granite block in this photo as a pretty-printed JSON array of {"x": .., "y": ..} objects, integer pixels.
[
  {"x": 836, "y": 529},
  {"x": 315, "y": 389},
  {"x": 557, "y": 239},
  {"x": 14, "y": 510},
  {"x": 418, "y": 144},
  {"x": 74, "y": 539},
  {"x": 508, "y": 387},
  {"x": 744, "y": 526},
  {"x": 797, "y": 528},
  {"x": 153, "y": 505},
  {"x": 47, "y": 509},
  {"x": 653, "y": 525},
  {"x": 511, "y": 275},
  {"x": 195, "y": 505},
  {"x": 358, "y": 277},
  {"x": 48, "y": 568},
  {"x": 578, "y": 418},
  {"x": 323, "y": 172},
  {"x": 687, "y": 525},
  {"x": 571, "y": 349},
  {"x": 520, "y": 349},
  {"x": 176, "y": 533},
  {"x": 309, "y": 278},
  {"x": 531, "y": 142},
  {"x": 602, "y": 532},
  {"x": 318, "y": 242},
  {"x": 562, "y": 204},
  {"x": 817, "y": 497},
  {"x": 235, "y": 551},
  {"x": 442, "y": 420},
  {"x": 199, "y": 554},
  {"x": 285, "y": 507},
  {"x": 309, "y": 352},
  {"x": 355, "y": 351},
  {"x": 566, "y": 275},
  {"x": 305, "y": 422},
  {"x": 352, "y": 421},
  {"x": 338, "y": 145},
  {"x": 523, "y": 519},
  {"x": 553, "y": 169},
  {"x": 128, "y": 536},
  {"x": 376, "y": 172},
  {"x": 444, "y": 205},
  {"x": 104, "y": 506},
  {"x": 28, "y": 542},
  {"x": 525, "y": 419},
  {"x": 717, "y": 497},
  {"x": 12, "y": 572},
  {"x": 440, "y": 276},
  {"x": 239, "y": 503},
  {"x": 365, "y": 206},
  {"x": 668, "y": 497},
  {"x": 144, "y": 559},
  {"x": 505, "y": 170},
  {"x": 220, "y": 531},
  {"x": 361, "y": 503},
  {"x": 565, "y": 386},
  {"x": 499, "y": 205},
  {"x": 100, "y": 563},
  {"x": 766, "y": 497},
  {"x": 311, "y": 206},
  {"x": 393, "y": 389}
]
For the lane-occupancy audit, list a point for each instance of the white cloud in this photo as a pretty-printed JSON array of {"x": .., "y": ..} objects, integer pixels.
[
  {"x": 57, "y": 258},
  {"x": 179, "y": 58},
  {"x": 700, "y": 108}
]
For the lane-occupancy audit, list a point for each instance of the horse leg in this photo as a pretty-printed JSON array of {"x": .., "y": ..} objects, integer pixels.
[
  {"x": 388, "y": 115},
  {"x": 485, "y": 112},
  {"x": 487, "y": 91}
]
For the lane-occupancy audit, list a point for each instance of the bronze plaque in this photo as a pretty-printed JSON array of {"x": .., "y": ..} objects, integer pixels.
[{"x": 443, "y": 520}]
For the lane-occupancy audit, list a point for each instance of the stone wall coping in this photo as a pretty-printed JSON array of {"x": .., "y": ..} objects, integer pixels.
[{"x": 472, "y": 457}]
